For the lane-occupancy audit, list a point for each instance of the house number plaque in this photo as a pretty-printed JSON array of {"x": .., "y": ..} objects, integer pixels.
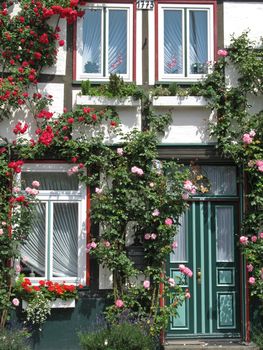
[{"x": 145, "y": 4}]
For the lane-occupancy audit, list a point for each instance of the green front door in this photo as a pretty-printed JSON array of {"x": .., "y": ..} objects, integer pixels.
[{"x": 207, "y": 244}]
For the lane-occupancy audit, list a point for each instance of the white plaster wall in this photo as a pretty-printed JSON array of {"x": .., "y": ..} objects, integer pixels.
[
  {"x": 189, "y": 126},
  {"x": 59, "y": 68},
  {"x": 256, "y": 103},
  {"x": 151, "y": 47},
  {"x": 240, "y": 16},
  {"x": 6, "y": 126}
]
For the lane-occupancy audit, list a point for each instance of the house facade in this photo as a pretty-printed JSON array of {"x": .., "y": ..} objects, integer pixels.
[{"x": 149, "y": 43}]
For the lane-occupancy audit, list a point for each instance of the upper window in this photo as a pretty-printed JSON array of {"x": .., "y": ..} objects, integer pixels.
[
  {"x": 185, "y": 41},
  {"x": 55, "y": 247},
  {"x": 104, "y": 44}
]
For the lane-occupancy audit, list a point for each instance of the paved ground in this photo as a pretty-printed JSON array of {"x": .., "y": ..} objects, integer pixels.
[{"x": 208, "y": 344}]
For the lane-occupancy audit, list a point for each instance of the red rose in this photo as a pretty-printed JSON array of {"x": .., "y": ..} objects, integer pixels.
[
  {"x": 61, "y": 42},
  {"x": 37, "y": 55},
  {"x": 70, "y": 120}
]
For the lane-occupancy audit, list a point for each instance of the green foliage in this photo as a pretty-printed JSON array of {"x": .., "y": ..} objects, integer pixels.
[
  {"x": 118, "y": 337},
  {"x": 13, "y": 339},
  {"x": 116, "y": 88}
]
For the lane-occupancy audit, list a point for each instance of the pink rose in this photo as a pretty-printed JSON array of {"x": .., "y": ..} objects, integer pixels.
[
  {"x": 156, "y": 212},
  {"x": 174, "y": 245},
  {"x": 168, "y": 221},
  {"x": 259, "y": 163},
  {"x": 261, "y": 235},
  {"x": 17, "y": 268},
  {"x": 187, "y": 294},
  {"x": 254, "y": 239},
  {"x": 107, "y": 244},
  {"x": 251, "y": 280},
  {"x": 120, "y": 151},
  {"x": 247, "y": 139},
  {"x": 136, "y": 170},
  {"x": 171, "y": 281},
  {"x": 261, "y": 273},
  {"x": 153, "y": 236},
  {"x": 182, "y": 267},
  {"x": 146, "y": 284},
  {"x": 3, "y": 223},
  {"x": 188, "y": 272},
  {"x": 16, "y": 189},
  {"x": 34, "y": 191},
  {"x": 185, "y": 196},
  {"x": 98, "y": 190},
  {"x": 28, "y": 190},
  {"x": 252, "y": 133},
  {"x": 250, "y": 267},
  {"x": 15, "y": 302},
  {"x": 189, "y": 186},
  {"x": 119, "y": 303},
  {"x": 93, "y": 245},
  {"x": 260, "y": 168},
  {"x": 35, "y": 184},
  {"x": 147, "y": 236},
  {"x": 1, "y": 231},
  {"x": 222, "y": 53},
  {"x": 243, "y": 240}
]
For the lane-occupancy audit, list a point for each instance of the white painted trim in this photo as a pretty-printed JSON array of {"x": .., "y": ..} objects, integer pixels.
[
  {"x": 105, "y": 101},
  {"x": 56, "y": 304},
  {"x": 178, "y": 101},
  {"x": 79, "y": 44},
  {"x": 151, "y": 47}
]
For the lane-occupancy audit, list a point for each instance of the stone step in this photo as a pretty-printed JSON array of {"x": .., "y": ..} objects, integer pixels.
[{"x": 208, "y": 345}]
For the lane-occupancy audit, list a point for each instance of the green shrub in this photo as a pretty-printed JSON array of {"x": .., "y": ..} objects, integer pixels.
[
  {"x": 13, "y": 339},
  {"x": 119, "y": 337}
]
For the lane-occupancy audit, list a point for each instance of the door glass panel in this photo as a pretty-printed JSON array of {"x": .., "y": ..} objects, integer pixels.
[
  {"x": 222, "y": 179},
  {"x": 224, "y": 234},
  {"x": 198, "y": 42},
  {"x": 33, "y": 251},
  {"x": 65, "y": 239},
  {"x": 51, "y": 181},
  {"x": 91, "y": 55},
  {"x": 173, "y": 47},
  {"x": 117, "y": 42},
  {"x": 179, "y": 254}
]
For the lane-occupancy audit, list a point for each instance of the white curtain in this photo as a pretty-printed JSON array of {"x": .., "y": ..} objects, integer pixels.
[
  {"x": 51, "y": 181},
  {"x": 173, "y": 54},
  {"x": 117, "y": 36},
  {"x": 222, "y": 179},
  {"x": 179, "y": 254},
  {"x": 65, "y": 239},
  {"x": 198, "y": 35},
  {"x": 224, "y": 234},
  {"x": 91, "y": 55},
  {"x": 33, "y": 252}
]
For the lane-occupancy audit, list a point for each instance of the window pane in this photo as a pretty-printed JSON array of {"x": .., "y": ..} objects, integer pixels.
[
  {"x": 117, "y": 53},
  {"x": 51, "y": 181},
  {"x": 198, "y": 42},
  {"x": 222, "y": 179},
  {"x": 173, "y": 50},
  {"x": 91, "y": 57},
  {"x": 65, "y": 239},
  {"x": 179, "y": 254},
  {"x": 33, "y": 252},
  {"x": 224, "y": 234}
]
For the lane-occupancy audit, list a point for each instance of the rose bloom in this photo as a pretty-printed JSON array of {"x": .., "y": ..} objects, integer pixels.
[
  {"x": 156, "y": 212},
  {"x": 261, "y": 235},
  {"x": 151, "y": 184},
  {"x": 247, "y": 139},
  {"x": 174, "y": 245},
  {"x": 16, "y": 189},
  {"x": 222, "y": 53},
  {"x": 254, "y": 239},
  {"x": 119, "y": 303},
  {"x": 120, "y": 151},
  {"x": 17, "y": 268},
  {"x": 153, "y": 236},
  {"x": 3, "y": 223},
  {"x": 1, "y": 231},
  {"x": 251, "y": 280},
  {"x": 168, "y": 221},
  {"x": 146, "y": 284},
  {"x": 98, "y": 190},
  {"x": 93, "y": 245},
  {"x": 250, "y": 267},
  {"x": 35, "y": 184},
  {"x": 15, "y": 302},
  {"x": 252, "y": 133},
  {"x": 171, "y": 281},
  {"x": 185, "y": 196},
  {"x": 243, "y": 240},
  {"x": 187, "y": 294},
  {"x": 147, "y": 236}
]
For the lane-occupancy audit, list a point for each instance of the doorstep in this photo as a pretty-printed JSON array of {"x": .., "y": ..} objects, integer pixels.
[{"x": 208, "y": 344}]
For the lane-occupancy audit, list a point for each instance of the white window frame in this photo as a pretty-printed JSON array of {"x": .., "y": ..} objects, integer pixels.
[
  {"x": 79, "y": 44},
  {"x": 62, "y": 196},
  {"x": 185, "y": 76}
]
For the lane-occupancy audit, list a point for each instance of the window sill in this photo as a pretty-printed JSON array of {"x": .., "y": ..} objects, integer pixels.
[
  {"x": 56, "y": 304},
  {"x": 105, "y": 101},
  {"x": 180, "y": 101}
]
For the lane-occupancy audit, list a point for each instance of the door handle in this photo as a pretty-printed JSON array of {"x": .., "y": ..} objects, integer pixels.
[{"x": 199, "y": 275}]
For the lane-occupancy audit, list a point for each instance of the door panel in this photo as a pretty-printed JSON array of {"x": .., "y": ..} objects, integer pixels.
[{"x": 206, "y": 243}]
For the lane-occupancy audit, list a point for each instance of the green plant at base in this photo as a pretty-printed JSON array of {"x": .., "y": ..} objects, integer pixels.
[
  {"x": 118, "y": 337},
  {"x": 13, "y": 339}
]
